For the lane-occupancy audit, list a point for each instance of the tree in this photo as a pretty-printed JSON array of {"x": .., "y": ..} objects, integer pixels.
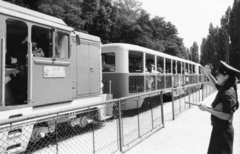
[
  {"x": 128, "y": 8},
  {"x": 114, "y": 21},
  {"x": 234, "y": 34},
  {"x": 194, "y": 51}
]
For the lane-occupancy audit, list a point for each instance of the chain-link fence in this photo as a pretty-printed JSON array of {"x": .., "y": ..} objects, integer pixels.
[
  {"x": 143, "y": 119},
  {"x": 77, "y": 131},
  {"x": 107, "y": 127},
  {"x": 83, "y": 130}
]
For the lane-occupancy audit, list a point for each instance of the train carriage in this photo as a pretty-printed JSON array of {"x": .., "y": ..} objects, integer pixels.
[
  {"x": 131, "y": 69},
  {"x": 45, "y": 66}
]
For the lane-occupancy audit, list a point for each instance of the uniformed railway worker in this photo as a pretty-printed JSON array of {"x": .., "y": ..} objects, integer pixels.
[{"x": 224, "y": 105}]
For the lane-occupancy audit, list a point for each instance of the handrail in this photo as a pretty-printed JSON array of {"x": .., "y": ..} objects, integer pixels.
[
  {"x": 80, "y": 106},
  {"x": 3, "y": 71},
  {"x": 30, "y": 73}
]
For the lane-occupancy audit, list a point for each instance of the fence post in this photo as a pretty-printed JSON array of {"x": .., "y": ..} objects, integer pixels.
[
  {"x": 184, "y": 92},
  {"x": 203, "y": 92},
  {"x": 56, "y": 134},
  {"x": 120, "y": 126},
  {"x": 173, "y": 113},
  {"x": 138, "y": 118},
  {"x": 189, "y": 100},
  {"x": 151, "y": 110},
  {"x": 110, "y": 87},
  {"x": 179, "y": 101},
  {"x": 199, "y": 94},
  {"x": 161, "y": 101},
  {"x": 194, "y": 97}
]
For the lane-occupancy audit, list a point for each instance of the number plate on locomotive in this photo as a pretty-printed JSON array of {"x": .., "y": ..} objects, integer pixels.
[{"x": 54, "y": 72}]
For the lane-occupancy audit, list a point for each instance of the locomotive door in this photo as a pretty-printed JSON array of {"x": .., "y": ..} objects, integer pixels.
[
  {"x": 94, "y": 68},
  {"x": 88, "y": 68},
  {"x": 50, "y": 72}
]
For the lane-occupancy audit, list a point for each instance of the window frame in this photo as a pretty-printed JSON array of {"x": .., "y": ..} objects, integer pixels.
[
  {"x": 114, "y": 61},
  {"x": 141, "y": 62}
]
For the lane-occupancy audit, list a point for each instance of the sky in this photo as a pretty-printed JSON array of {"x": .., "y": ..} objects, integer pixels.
[{"x": 191, "y": 17}]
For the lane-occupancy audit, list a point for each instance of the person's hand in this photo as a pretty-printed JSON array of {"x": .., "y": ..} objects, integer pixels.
[
  {"x": 202, "y": 107},
  {"x": 206, "y": 70}
]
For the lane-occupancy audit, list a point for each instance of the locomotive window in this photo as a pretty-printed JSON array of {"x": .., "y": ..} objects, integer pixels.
[
  {"x": 168, "y": 66},
  {"x": 108, "y": 62},
  {"x": 179, "y": 67},
  {"x": 41, "y": 39},
  {"x": 160, "y": 64},
  {"x": 150, "y": 63},
  {"x": 135, "y": 61},
  {"x": 16, "y": 50},
  {"x": 62, "y": 45},
  {"x": 174, "y": 67}
]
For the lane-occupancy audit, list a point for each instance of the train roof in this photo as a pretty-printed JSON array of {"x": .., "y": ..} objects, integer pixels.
[
  {"x": 88, "y": 37},
  {"x": 143, "y": 49},
  {"x": 30, "y": 15}
]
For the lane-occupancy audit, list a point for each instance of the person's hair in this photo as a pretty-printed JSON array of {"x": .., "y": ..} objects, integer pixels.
[{"x": 231, "y": 82}]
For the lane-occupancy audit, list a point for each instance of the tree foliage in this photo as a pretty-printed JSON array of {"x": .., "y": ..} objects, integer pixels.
[
  {"x": 114, "y": 21},
  {"x": 223, "y": 40}
]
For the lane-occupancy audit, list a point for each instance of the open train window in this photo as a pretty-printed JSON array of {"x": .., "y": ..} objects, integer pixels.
[
  {"x": 108, "y": 62},
  {"x": 179, "y": 67},
  {"x": 193, "y": 69},
  {"x": 135, "y": 61},
  {"x": 41, "y": 39},
  {"x": 61, "y": 45},
  {"x": 150, "y": 63},
  {"x": 168, "y": 66},
  {"x": 186, "y": 71},
  {"x": 160, "y": 64},
  {"x": 183, "y": 68},
  {"x": 174, "y": 67},
  {"x": 200, "y": 69},
  {"x": 190, "y": 68}
]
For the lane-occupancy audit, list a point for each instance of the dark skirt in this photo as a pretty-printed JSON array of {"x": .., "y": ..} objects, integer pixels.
[{"x": 221, "y": 141}]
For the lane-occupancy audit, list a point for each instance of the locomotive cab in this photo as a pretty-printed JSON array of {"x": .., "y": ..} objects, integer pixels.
[{"x": 35, "y": 64}]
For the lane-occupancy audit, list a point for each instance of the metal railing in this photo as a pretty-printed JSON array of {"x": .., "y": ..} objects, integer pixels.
[
  {"x": 193, "y": 93},
  {"x": 81, "y": 130}
]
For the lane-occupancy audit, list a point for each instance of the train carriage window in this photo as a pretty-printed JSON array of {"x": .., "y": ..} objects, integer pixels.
[
  {"x": 186, "y": 71},
  {"x": 179, "y": 67},
  {"x": 199, "y": 69},
  {"x": 41, "y": 42},
  {"x": 190, "y": 69},
  {"x": 108, "y": 62},
  {"x": 193, "y": 69},
  {"x": 150, "y": 63},
  {"x": 160, "y": 64},
  {"x": 135, "y": 61},
  {"x": 62, "y": 45},
  {"x": 183, "y": 68},
  {"x": 16, "y": 51},
  {"x": 168, "y": 66},
  {"x": 174, "y": 67}
]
